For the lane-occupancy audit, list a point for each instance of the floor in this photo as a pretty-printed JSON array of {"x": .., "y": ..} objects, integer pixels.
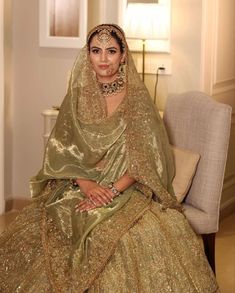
[{"x": 225, "y": 250}]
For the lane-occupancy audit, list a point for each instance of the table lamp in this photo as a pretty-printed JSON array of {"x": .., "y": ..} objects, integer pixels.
[{"x": 146, "y": 21}]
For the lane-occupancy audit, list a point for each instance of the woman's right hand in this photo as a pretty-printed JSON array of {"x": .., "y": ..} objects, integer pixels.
[{"x": 97, "y": 194}]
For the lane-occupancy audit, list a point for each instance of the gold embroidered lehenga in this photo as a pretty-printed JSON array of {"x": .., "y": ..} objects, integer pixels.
[{"x": 134, "y": 244}]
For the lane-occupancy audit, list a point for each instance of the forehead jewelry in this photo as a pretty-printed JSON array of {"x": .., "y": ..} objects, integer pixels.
[{"x": 104, "y": 35}]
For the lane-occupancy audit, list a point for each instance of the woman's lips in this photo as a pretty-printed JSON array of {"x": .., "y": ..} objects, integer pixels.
[{"x": 104, "y": 66}]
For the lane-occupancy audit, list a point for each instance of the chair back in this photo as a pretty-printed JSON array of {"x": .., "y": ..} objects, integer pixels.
[{"x": 196, "y": 122}]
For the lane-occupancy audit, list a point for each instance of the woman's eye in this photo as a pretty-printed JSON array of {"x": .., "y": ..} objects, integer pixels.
[
  {"x": 95, "y": 51},
  {"x": 112, "y": 51}
]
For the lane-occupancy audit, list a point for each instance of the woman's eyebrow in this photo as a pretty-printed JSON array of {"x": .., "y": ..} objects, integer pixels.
[
  {"x": 95, "y": 47},
  {"x": 111, "y": 48}
]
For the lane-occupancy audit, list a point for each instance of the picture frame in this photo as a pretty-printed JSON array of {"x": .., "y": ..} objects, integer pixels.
[{"x": 67, "y": 35}]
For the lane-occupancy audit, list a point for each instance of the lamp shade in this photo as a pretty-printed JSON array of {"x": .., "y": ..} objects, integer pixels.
[{"x": 147, "y": 21}]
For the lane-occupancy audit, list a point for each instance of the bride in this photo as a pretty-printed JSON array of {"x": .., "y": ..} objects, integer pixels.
[{"x": 103, "y": 216}]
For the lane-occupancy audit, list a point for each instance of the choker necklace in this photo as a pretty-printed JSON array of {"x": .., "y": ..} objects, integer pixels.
[{"x": 111, "y": 88}]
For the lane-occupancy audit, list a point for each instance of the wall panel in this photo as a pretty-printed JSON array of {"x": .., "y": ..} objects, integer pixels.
[{"x": 218, "y": 73}]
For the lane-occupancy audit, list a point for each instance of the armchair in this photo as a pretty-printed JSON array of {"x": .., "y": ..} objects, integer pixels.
[{"x": 196, "y": 122}]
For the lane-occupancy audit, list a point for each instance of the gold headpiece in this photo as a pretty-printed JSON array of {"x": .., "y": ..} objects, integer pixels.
[{"x": 104, "y": 33}]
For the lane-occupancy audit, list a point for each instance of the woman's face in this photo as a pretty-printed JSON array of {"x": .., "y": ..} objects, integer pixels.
[{"x": 105, "y": 58}]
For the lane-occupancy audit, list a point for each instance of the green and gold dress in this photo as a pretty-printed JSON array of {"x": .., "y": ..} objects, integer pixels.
[{"x": 141, "y": 242}]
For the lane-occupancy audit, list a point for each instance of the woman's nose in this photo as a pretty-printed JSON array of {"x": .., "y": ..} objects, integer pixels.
[{"x": 103, "y": 56}]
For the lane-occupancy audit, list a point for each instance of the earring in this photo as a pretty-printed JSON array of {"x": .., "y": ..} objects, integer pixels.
[{"x": 122, "y": 70}]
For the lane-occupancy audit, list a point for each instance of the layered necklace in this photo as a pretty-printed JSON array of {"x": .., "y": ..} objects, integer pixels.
[{"x": 112, "y": 88}]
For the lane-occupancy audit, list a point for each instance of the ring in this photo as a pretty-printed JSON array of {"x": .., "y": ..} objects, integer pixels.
[{"x": 91, "y": 201}]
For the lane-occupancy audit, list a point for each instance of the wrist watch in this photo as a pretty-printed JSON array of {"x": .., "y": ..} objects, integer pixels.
[{"x": 114, "y": 189}]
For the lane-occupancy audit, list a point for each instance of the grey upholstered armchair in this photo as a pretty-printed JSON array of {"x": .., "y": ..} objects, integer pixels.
[{"x": 196, "y": 122}]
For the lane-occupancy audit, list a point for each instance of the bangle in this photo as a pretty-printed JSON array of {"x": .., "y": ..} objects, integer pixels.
[{"x": 114, "y": 189}]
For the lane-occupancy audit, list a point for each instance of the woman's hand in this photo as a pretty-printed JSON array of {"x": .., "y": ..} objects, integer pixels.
[
  {"x": 96, "y": 194},
  {"x": 86, "y": 205}
]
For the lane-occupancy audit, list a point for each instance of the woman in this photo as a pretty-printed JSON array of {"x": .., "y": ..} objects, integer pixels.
[{"x": 93, "y": 225}]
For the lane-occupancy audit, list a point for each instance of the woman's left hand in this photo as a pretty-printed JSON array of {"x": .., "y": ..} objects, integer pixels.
[{"x": 86, "y": 205}]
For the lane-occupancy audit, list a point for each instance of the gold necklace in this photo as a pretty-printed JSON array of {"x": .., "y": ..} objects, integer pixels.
[{"x": 111, "y": 88}]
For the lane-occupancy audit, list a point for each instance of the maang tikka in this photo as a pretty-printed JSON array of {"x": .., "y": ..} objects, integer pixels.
[{"x": 104, "y": 35}]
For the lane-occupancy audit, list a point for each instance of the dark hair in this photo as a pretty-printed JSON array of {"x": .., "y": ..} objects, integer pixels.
[{"x": 113, "y": 34}]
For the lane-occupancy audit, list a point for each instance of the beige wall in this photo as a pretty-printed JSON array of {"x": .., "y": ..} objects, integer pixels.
[
  {"x": 8, "y": 88},
  {"x": 218, "y": 76},
  {"x": 39, "y": 79},
  {"x": 2, "y": 202},
  {"x": 185, "y": 52}
]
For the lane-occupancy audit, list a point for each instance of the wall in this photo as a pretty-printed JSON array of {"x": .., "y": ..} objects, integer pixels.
[
  {"x": 185, "y": 52},
  {"x": 8, "y": 103},
  {"x": 218, "y": 74},
  {"x": 2, "y": 202},
  {"x": 39, "y": 81}
]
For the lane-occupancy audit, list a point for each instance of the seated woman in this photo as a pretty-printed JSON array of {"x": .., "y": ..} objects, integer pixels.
[{"x": 104, "y": 217}]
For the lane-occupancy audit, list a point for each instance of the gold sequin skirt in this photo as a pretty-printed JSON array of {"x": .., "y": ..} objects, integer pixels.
[{"x": 159, "y": 253}]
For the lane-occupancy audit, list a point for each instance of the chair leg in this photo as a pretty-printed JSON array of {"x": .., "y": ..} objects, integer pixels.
[{"x": 209, "y": 247}]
